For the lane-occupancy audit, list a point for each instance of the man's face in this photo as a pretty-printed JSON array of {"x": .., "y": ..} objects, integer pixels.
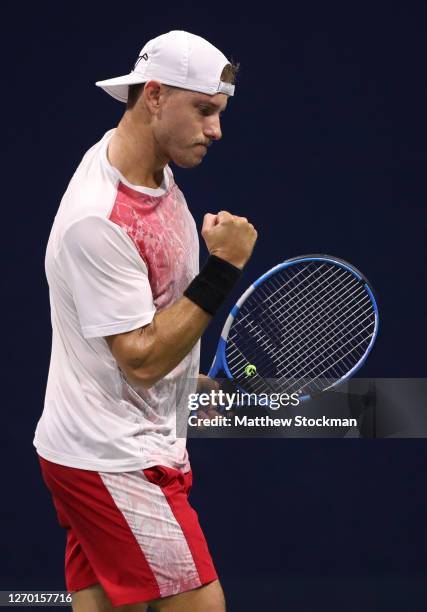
[{"x": 187, "y": 124}]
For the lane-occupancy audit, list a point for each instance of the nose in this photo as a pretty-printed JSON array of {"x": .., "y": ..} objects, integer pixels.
[{"x": 212, "y": 128}]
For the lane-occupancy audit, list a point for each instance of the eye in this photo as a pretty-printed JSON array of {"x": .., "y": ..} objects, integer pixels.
[{"x": 204, "y": 110}]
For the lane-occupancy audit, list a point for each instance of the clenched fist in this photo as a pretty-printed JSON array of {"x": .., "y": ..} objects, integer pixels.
[{"x": 229, "y": 237}]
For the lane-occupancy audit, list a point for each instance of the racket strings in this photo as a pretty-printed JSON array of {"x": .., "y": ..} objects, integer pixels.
[
  {"x": 329, "y": 380},
  {"x": 314, "y": 371},
  {"x": 289, "y": 376},
  {"x": 254, "y": 310},
  {"x": 288, "y": 284},
  {"x": 304, "y": 319},
  {"x": 294, "y": 290},
  {"x": 238, "y": 372},
  {"x": 308, "y": 324},
  {"x": 296, "y": 363},
  {"x": 255, "y": 383},
  {"x": 312, "y": 298},
  {"x": 334, "y": 331},
  {"x": 236, "y": 349},
  {"x": 305, "y": 322}
]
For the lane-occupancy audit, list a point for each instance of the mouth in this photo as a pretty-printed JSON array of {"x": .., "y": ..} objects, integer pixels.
[{"x": 204, "y": 148}]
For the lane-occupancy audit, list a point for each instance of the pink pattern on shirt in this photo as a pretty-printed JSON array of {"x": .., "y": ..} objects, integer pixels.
[{"x": 165, "y": 235}]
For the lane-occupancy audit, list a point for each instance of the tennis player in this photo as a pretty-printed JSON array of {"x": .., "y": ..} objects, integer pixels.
[{"x": 128, "y": 307}]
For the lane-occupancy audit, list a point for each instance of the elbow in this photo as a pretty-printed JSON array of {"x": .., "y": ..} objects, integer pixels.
[
  {"x": 136, "y": 357},
  {"x": 141, "y": 362},
  {"x": 143, "y": 377}
]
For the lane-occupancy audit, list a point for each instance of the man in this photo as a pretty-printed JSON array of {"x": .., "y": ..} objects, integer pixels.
[{"x": 128, "y": 308}]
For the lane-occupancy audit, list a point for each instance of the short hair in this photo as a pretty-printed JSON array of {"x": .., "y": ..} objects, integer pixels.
[{"x": 228, "y": 75}]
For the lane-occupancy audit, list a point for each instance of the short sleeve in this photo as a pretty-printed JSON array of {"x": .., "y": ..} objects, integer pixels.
[{"x": 107, "y": 277}]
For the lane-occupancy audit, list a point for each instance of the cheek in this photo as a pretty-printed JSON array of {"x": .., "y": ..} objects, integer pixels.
[
  {"x": 185, "y": 126},
  {"x": 167, "y": 138},
  {"x": 181, "y": 138},
  {"x": 178, "y": 131}
]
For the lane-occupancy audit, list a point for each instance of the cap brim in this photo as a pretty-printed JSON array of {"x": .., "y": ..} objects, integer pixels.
[{"x": 119, "y": 86}]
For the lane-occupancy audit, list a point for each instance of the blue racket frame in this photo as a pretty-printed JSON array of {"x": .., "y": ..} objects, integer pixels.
[{"x": 220, "y": 362}]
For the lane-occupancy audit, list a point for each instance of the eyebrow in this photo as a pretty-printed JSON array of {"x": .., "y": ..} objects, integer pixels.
[{"x": 212, "y": 105}]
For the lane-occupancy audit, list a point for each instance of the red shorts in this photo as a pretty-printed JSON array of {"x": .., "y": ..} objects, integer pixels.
[{"x": 134, "y": 533}]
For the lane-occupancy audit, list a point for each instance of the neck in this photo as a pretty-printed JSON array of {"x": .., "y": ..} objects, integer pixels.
[{"x": 132, "y": 150}]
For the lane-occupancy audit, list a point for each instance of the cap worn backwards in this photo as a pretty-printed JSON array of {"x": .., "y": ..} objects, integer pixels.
[{"x": 177, "y": 58}]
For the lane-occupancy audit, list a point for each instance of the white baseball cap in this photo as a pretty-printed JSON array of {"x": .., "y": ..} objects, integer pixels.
[{"x": 177, "y": 58}]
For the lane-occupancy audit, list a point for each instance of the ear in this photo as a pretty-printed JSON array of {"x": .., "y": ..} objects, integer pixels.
[{"x": 153, "y": 96}]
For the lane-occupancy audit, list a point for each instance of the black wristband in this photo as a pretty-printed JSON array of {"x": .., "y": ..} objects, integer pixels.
[{"x": 213, "y": 283}]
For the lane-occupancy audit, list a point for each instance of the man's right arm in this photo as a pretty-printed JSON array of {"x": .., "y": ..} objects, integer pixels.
[{"x": 147, "y": 354}]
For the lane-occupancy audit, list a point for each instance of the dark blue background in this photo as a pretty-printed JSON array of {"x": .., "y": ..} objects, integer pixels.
[{"x": 324, "y": 150}]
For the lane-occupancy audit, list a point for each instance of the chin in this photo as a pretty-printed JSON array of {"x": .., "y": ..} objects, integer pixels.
[
  {"x": 186, "y": 157},
  {"x": 186, "y": 162}
]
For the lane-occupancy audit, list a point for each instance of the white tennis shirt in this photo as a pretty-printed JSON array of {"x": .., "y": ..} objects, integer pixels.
[{"x": 117, "y": 254}]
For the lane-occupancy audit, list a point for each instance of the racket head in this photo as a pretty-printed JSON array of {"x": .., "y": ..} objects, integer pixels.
[{"x": 346, "y": 305}]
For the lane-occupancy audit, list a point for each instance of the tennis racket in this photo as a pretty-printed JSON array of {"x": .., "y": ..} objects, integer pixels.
[{"x": 305, "y": 326}]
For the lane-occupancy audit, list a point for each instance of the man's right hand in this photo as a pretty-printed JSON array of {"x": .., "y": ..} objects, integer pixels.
[{"x": 229, "y": 237}]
